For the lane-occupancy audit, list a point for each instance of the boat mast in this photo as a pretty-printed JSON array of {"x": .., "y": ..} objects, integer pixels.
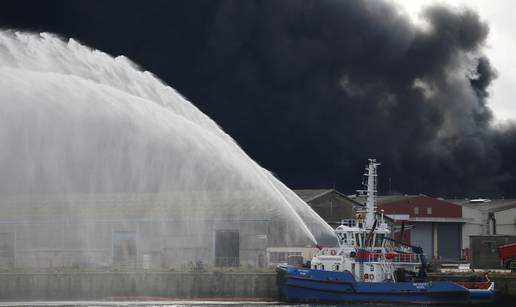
[{"x": 372, "y": 181}]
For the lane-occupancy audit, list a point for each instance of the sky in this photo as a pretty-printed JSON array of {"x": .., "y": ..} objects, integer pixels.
[
  {"x": 311, "y": 89},
  {"x": 500, "y": 46}
]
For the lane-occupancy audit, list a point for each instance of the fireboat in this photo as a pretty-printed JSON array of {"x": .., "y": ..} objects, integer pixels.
[{"x": 369, "y": 266}]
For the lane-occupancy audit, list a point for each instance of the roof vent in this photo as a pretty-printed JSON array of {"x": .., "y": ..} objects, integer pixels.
[{"x": 479, "y": 201}]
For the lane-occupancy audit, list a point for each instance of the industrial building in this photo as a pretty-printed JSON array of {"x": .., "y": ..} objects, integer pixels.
[
  {"x": 490, "y": 216},
  {"x": 141, "y": 231},
  {"x": 332, "y": 205},
  {"x": 450, "y": 230},
  {"x": 431, "y": 223},
  {"x": 144, "y": 231},
  {"x": 491, "y": 222}
]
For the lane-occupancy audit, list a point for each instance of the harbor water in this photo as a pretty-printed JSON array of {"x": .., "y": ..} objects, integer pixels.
[{"x": 195, "y": 304}]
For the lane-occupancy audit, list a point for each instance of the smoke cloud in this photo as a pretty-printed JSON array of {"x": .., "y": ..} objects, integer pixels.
[{"x": 311, "y": 89}]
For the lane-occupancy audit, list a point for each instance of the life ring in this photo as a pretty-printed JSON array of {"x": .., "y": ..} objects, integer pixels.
[
  {"x": 371, "y": 276},
  {"x": 352, "y": 254},
  {"x": 333, "y": 253}
]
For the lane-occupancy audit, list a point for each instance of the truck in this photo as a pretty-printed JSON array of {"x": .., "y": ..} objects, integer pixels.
[{"x": 507, "y": 255}]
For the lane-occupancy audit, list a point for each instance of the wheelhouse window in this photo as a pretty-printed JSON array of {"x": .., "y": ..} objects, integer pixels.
[{"x": 344, "y": 238}]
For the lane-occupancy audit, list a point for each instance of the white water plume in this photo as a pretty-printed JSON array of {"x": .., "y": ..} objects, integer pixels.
[{"x": 80, "y": 129}]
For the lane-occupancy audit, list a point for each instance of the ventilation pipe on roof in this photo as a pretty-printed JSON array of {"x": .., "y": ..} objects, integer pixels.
[{"x": 492, "y": 221}]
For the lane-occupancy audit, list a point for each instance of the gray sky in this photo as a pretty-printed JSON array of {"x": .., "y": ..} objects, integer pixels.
[{"x": 500, "y": 48}]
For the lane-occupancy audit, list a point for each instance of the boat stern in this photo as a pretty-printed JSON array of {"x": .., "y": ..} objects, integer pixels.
[{"x": 483, "y": 296}]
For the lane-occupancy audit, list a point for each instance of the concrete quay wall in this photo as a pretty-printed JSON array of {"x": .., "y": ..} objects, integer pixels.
[
  {"x": 173, "y": 285},
  {"x": 152, "y": 285}
]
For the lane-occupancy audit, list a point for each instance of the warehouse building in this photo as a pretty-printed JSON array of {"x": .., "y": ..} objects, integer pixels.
[
  {"x": 142, "y": 231},
  {"x": 491, "y": 222},
  {"x": 330, "y": 204},
  {"x": 491, "y": 216},
  {"x": 431, "y": 223}
]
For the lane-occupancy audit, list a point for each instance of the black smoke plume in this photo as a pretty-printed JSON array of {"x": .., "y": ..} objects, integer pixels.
[{"x": 312, "y": 88}]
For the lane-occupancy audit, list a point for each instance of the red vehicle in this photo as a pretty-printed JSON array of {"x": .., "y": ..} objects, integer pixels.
[{"x": 507, "y": 254}]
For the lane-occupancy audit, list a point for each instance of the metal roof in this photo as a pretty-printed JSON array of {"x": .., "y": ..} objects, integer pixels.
[
  {"x": 494, "y": 205},
  {"x": 385, "y": 199},
  {"x": 440, "y": 219},
  {"x": 310, "y": 194}
]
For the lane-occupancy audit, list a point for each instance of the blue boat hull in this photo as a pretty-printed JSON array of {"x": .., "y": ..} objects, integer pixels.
[{"x": 306, "y": 285}]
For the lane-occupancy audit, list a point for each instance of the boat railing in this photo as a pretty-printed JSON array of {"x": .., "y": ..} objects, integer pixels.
[
  {"x": 407, "y": 258},
  {"x": 403, "y": 257},
  {"x": 328, "y": 251}
]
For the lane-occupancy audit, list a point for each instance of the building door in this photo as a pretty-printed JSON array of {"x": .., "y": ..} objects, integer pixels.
[
  {"x": 421, "y": 235},
  {"x": 449, "y": 240},
  {"x": 124, "y": 249},
  {"x": 227, "y": 248},
  {"x": 6, "y": 250}
]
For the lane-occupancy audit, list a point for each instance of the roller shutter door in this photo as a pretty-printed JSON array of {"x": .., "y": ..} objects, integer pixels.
[
  {"x": 449, "y": 240},
  {"x": 421, "y": 235}
]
